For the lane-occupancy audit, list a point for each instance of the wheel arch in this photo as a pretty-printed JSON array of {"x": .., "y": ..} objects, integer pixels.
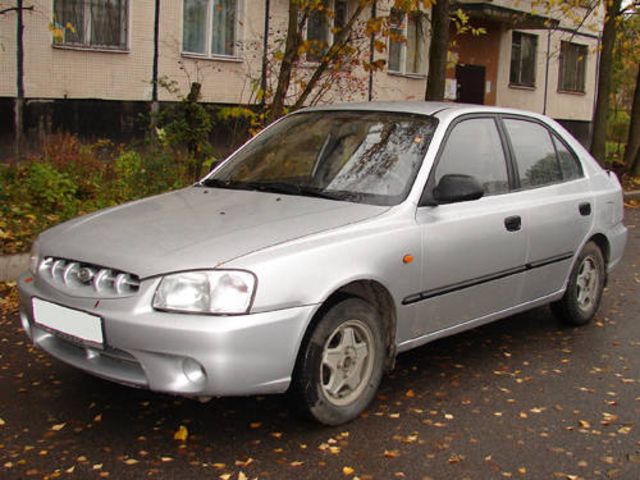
[
  {"x": 372, "y": 292},
  {"x": 603, "y": 244}
]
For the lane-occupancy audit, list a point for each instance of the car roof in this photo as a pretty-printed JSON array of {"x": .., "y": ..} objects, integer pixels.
[{"x": 420, "y": 107}]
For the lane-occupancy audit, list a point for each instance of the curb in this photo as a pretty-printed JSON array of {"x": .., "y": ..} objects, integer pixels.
[
  {"x": 13, "y": 265},
  {"x": 632, "y": 195}
]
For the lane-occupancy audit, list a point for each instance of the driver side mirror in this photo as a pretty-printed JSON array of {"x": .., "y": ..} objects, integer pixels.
[{"x": 457, "y": 188}]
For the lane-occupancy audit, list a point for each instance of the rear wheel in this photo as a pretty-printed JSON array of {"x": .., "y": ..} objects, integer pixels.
[
  {"x": 341, "y": 366},
  {"x": 584, "y": 291}
]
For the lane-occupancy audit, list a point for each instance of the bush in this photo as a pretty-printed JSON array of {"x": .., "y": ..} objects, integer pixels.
[{"x": 70, "y": 178}]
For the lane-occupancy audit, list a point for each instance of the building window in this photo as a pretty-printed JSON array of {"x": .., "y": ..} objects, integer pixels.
[
  {"x": 573, "y": 63},
  {"x": 210, "y": 27},
  {"x": 407, "y": 43},
  {"x": 524, "y": 49},
  {"x": 322, "y": 26},
  {"x": 92, "y": 23}
]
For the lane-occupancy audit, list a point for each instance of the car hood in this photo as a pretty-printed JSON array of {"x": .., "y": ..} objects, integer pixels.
[{"x": 195, "y": 228}]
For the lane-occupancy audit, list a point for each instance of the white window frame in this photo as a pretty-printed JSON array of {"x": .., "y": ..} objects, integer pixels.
[
  {"x": 86, "y": 45},
  {"x": 237, "y": 43},
  {"x": 331, "y": 34},
  {"x": 403, "y": 51}
]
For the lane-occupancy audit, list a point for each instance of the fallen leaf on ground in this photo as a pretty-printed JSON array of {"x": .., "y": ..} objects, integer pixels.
[
  {"x": 347, "y": 470},
  {"x": 58, "y": 427},
  {"x": 131, "y": 461},
  {"x": 391, "y": 453},
  {"x": 181, "y": 434}
]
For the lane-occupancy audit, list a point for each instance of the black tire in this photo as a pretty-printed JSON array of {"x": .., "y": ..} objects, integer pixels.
[
  {"x": 569, "y": 308},
  {"x": 309, "y": 390}
]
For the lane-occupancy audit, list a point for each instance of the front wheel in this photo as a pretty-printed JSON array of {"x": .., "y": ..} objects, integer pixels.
[
  {"x": 341, "y": 365},
  {"x": 584, "y": 291}
]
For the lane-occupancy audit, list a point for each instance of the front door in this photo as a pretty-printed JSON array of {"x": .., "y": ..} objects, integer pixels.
[
  {"x": 473, "y": 251},
  {"x": 471, "y": 84}
]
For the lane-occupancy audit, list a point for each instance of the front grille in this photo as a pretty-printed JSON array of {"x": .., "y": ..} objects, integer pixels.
[{"x": 88, "y": 278}]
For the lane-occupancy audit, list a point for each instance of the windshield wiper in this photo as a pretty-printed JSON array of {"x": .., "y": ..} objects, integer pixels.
[{"x": 276, "y": 187}]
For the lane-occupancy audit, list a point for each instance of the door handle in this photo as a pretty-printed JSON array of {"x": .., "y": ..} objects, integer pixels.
[
  {"x": 513, "y": 224},
  {"x": 585, "y": 209}
]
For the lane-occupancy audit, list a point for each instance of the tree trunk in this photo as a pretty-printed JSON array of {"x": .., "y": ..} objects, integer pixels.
[
  {"x": 601, "y": 113},
  {"x": 438, "y": 50},
  {"x": 19, "y": 105},
  {"x": 632, "y": 152},
  {"x": 292, "y": 44}
]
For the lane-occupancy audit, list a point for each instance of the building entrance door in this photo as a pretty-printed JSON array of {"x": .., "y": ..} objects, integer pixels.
[{"x": 470, "y": 80}]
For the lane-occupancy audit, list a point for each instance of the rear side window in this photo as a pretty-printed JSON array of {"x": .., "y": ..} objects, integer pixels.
[
  {"x": 569, "y": 164},
  {"x": 474, "y": 148},
  {"x": 534, "y": 152}
]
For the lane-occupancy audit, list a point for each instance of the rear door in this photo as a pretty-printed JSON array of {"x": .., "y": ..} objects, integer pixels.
[{"x": 551, "y": 184}]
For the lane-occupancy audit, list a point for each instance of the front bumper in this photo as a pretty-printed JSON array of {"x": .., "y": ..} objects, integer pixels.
[{"x": 186, "y": 354}]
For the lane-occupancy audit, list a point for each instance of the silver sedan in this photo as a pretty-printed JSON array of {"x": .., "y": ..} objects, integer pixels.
[{"x": 335, "y": 239}]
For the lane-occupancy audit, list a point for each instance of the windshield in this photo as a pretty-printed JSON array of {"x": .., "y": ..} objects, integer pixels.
[{"x": 368, "y": 157}]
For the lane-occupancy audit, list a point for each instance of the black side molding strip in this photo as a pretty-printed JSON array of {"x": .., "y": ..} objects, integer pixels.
[{"x": 427, "y": 294}]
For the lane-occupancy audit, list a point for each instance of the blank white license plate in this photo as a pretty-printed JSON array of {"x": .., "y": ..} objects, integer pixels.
[{"x": 68, "y": 321}]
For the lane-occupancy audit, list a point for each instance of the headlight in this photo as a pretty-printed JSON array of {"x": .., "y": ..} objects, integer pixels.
[
  {"x": 206, "y": 291},
  {"x": 34, "y": 257}
]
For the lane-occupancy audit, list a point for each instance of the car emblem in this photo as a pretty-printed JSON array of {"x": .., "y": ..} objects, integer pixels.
[{"x": 85, "y": 275}]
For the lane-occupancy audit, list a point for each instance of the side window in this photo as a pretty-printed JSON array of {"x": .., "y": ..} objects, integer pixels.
[
  {"x": 535, "y": 154},
  {"x": 569, "y": 164},
  {"x": 474, "y": 148}
]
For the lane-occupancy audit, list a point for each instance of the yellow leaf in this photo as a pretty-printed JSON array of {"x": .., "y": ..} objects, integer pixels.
[
  {"x": 584, "y": 424},
  {"x": 296, "y": 463},
  {"x": 244, "y": 463},
  {"x": 2, "y": 422},
  {"x": 242, "y": 476},
  {"x": 58, "y": 427},
  {"x": 410, "y": 394},
  {"x": 181, "y": 434},
  {"x": 218, "y": 466},
  {"x": 276, "y": 434},
  {"x": 166, "y": 459},
  {"x": 624, "y": 430},
  {"x": 225, "y": 476},
  {"x": 70, "y": 469},
  {"x": 347, "y": 470},
  {"x": 255, "y": 424},
  {"x": 97, "y": 418},
  {"x": 130, "y": 461},
  {"x": 391, "y": 453}
]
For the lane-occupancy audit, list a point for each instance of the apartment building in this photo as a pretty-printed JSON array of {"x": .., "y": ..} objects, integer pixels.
[{"x": 89, "y": 65}]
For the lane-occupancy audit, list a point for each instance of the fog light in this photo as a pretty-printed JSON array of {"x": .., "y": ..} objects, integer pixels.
[{"x": 193, "y": 371}]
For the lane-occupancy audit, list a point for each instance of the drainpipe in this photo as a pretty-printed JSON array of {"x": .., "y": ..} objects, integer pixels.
[
  {"x": 546, "y": 73},
  {"x": 265, "y": 53},
  {"x": 374, "y": 13},
  {"x": 19, "y": 106},
  {"x": 155, "y": 106},
  {"x": 595, "y": 88}
]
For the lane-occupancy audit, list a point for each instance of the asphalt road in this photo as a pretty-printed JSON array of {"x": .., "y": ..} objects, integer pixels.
[{"x": 521, "y": 398}]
